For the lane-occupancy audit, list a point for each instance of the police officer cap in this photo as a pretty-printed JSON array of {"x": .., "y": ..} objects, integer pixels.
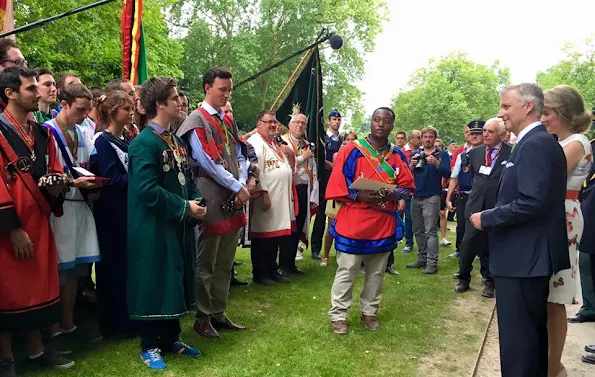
[
  {"x": 476, "y": 126},
  {"x": 335, "y": 113}
]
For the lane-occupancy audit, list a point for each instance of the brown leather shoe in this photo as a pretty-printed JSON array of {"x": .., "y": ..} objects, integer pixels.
[
  {"x": 370, "y": 322},
  {"x": 461, "y": 287},
  {"x": 225, "y": 323},
  {"x": 488, "y": 291},
  {"x": 340, "y": 327},
  {"x": 204, "y": 328}
]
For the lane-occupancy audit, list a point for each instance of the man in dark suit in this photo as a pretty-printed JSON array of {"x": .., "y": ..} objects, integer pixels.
[
  {"x": 486, "y": 164},
  {"x": 529, "y": 241}
]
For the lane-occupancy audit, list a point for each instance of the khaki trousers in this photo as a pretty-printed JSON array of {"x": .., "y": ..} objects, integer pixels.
[
  {"x": 342, "y": 292},
  {"x": 214, "y": 262}
]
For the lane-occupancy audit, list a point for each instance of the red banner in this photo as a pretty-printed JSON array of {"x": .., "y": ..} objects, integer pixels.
[{"x": 131, "y": 27}]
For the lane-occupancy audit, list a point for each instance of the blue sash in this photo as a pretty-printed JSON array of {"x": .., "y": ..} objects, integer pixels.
[{"x": 69, "y": 166}]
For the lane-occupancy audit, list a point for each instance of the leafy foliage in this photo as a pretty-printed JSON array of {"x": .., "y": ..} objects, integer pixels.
[
  {"x": 448, "y": 94},
  {"x": 89, "y": 42}
]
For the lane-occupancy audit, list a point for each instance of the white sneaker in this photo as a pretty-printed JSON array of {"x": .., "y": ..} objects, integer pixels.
[
  {"x": 299, "y": 256},
  {"x": 445, "y": 242}
]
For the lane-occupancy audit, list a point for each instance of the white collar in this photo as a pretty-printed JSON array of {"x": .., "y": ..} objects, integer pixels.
[
  {"x": 211, "y": 110},
  {"x": 330, "y": 134},
  {"x": 526, "y": 131}
]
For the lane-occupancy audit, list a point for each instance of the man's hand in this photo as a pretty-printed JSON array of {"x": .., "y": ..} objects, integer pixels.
[
  {"x": 21, "y": 244},
  {"x": 432, "y": 161},
  {"x": 196, "y": 210},
  {"x": 401, "y": 205},
  {"x": 243, "y": 195},
  {"x": 369, "y": 197},
  {"x": 266, "y": 201},
  {"x": 85, "y": 183},
  {"x": 450, "y": 207},
  {"x": 307, "y": 154},
  {"x": 413, "y": 162},
  {"x": 476, "y": 220},
  {"x": 251, "y": 184}
]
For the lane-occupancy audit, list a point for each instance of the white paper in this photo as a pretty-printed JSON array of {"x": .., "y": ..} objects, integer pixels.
[
  {"x": 485, "y": 170},
  {"x": 84, "y": 172},
  {"x": 370, "y": 185}
]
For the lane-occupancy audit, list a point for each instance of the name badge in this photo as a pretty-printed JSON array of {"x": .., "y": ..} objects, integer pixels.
[{"x": 485, "y": 170}]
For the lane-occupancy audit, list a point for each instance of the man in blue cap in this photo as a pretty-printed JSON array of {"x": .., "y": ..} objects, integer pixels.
[
  {"x": 461, "y": 176},
  {"x": 332, "y": 143}
]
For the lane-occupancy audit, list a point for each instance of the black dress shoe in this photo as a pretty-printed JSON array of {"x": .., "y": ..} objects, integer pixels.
[
  {"x": 579, "y": 318},
  {"x": 461, "y": 287},
  {"x": 226, "y": 323},
  {"x": 237, "y": 282},
  {"x": 264, "y": 281},
  {"x": 279, "y": 278},
  {"x": 391, "y": 271},
  {"x": 590, "y": 349},
  {"x": 296, "y": 271},
  {"x": 589, "y": 358},
  {"x": 315, "y": 255}
]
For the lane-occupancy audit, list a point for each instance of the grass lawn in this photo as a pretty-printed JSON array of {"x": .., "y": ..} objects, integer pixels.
[{"x": 289, "y": 332}]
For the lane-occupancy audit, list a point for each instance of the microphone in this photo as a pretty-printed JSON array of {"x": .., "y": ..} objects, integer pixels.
[{"x": 336, "y": 41}]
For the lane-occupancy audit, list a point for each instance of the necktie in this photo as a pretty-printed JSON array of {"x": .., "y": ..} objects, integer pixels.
[{"x": 490, "y": 151}]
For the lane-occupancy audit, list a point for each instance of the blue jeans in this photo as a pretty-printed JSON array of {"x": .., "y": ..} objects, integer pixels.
[{"x": 408, "y": 223}]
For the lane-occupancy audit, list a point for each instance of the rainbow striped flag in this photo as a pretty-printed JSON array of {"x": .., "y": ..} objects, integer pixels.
[{"x": 134, "y": 58}]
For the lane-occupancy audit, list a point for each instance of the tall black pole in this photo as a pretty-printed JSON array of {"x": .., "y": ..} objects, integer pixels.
[{"x": 44, "y": 21}]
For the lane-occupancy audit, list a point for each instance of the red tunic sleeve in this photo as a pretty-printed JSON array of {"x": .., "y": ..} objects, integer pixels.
[
  {"x": 405, "y": 178},
  {"x": 9, "y": 220},
  {"x": 337, "y": 187}
]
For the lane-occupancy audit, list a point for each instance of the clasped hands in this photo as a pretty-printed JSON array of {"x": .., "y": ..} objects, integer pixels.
[{"x": 380, "y": 198}]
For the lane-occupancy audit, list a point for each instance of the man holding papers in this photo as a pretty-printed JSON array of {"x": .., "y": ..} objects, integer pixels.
[{"x": 368, "y": 226}]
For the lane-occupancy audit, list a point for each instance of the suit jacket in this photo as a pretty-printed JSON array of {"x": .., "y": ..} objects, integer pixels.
[
  {"x": 529, "y": 221},
  {"x": 484, "y": 189},
  {"x": 587, "y": 244}
]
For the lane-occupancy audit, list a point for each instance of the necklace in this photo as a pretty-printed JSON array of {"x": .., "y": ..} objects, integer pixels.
[
  {"x": 273, "y": 146},
  {"x": 73, "y": 144},
  {"x": 27, "y": 137},
  {"x": 380, "y": 153}
]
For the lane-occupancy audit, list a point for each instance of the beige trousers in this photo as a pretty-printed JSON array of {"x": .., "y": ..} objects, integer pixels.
[
  {"x": 342, "y": 292},
  {"x": 214, "y": 261}
]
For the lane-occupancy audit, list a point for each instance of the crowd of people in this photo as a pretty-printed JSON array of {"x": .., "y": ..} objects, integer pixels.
[{"x": 158, "y": 198}]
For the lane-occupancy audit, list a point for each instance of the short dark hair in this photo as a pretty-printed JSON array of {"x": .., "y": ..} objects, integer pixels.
[
  {"x": 43, "y": 71},
  {"x": 115, "y": 84},
  {"x": 73, "y": 91},
  {"x": 185, "y": 95},
  {"x": 387, "y": 109},
  {"x": 156, "y": 89},
  {"x": 5, "y": 45},
  {"x": 210, "y": 76},
  {"x": 262, "y": 113},
  {"x": 402, "y": 133},
  {"x": 11, "y": 78}
]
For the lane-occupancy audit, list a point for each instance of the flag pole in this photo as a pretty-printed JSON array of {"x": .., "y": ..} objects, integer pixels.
[{"x": 44, "y": 21}]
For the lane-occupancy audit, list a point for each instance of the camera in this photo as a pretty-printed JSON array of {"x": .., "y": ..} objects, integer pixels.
[{"x": 421, "y": 163}]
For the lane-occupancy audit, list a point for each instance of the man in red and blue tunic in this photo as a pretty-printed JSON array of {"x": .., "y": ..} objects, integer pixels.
[{"x": 368, "y": 225}]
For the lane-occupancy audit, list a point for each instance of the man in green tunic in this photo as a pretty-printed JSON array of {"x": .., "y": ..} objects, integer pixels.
[{"x": 163, "y": 209}]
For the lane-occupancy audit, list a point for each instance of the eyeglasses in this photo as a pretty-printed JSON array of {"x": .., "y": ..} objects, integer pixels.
[
  {"x": 270, "y": 122},
  {"x": 17, "y": 62}
]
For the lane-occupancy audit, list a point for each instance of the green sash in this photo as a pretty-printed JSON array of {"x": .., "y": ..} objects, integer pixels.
[{"x": 382, "y": 168}]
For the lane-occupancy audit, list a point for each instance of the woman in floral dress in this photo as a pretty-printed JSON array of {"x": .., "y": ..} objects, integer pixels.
[{"x": 565, "y": 116}]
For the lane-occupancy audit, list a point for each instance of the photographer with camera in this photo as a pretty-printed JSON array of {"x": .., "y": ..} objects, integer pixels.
[
  {"x": 428, "y": 165},
  {"x": 461, "y": 176}
]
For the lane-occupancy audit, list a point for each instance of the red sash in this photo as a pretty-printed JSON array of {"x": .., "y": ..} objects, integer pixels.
[{"x": 25, "y": 177}]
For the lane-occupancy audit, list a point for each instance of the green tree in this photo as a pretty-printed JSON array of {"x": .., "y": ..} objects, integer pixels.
[
  {"x": 448, "y": 94},
  {"x": 89, "y": 43},
  {"x": 248, "y": 36},
  {"x": 577, "y": 69}
]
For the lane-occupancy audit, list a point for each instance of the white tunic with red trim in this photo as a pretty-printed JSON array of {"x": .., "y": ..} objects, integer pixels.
[{"x": 276, "y": 179}]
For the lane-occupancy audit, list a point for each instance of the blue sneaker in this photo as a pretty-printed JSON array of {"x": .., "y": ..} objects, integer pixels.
[
  {"x": 152, "y": 359},
  {"x": 183, "y": 349},
  {"x": 406, "y": 249}
]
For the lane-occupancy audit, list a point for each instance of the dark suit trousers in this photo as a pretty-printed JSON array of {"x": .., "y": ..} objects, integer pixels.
[
  {"x": 474, "y": 243},
  {"x": 522, "y": 324},
  {"x": 320, "y": 218},
  {"x": 289, "y": 251},
  {"x": 460, "y": 203}
]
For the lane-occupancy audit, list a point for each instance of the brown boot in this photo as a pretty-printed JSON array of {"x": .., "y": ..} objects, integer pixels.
[
  {"x": 370, "y": 322},
  {"x": 340, "y": 327},
  {"x": 461, "y": 287},
  {"x": 204, "y": 328}
]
